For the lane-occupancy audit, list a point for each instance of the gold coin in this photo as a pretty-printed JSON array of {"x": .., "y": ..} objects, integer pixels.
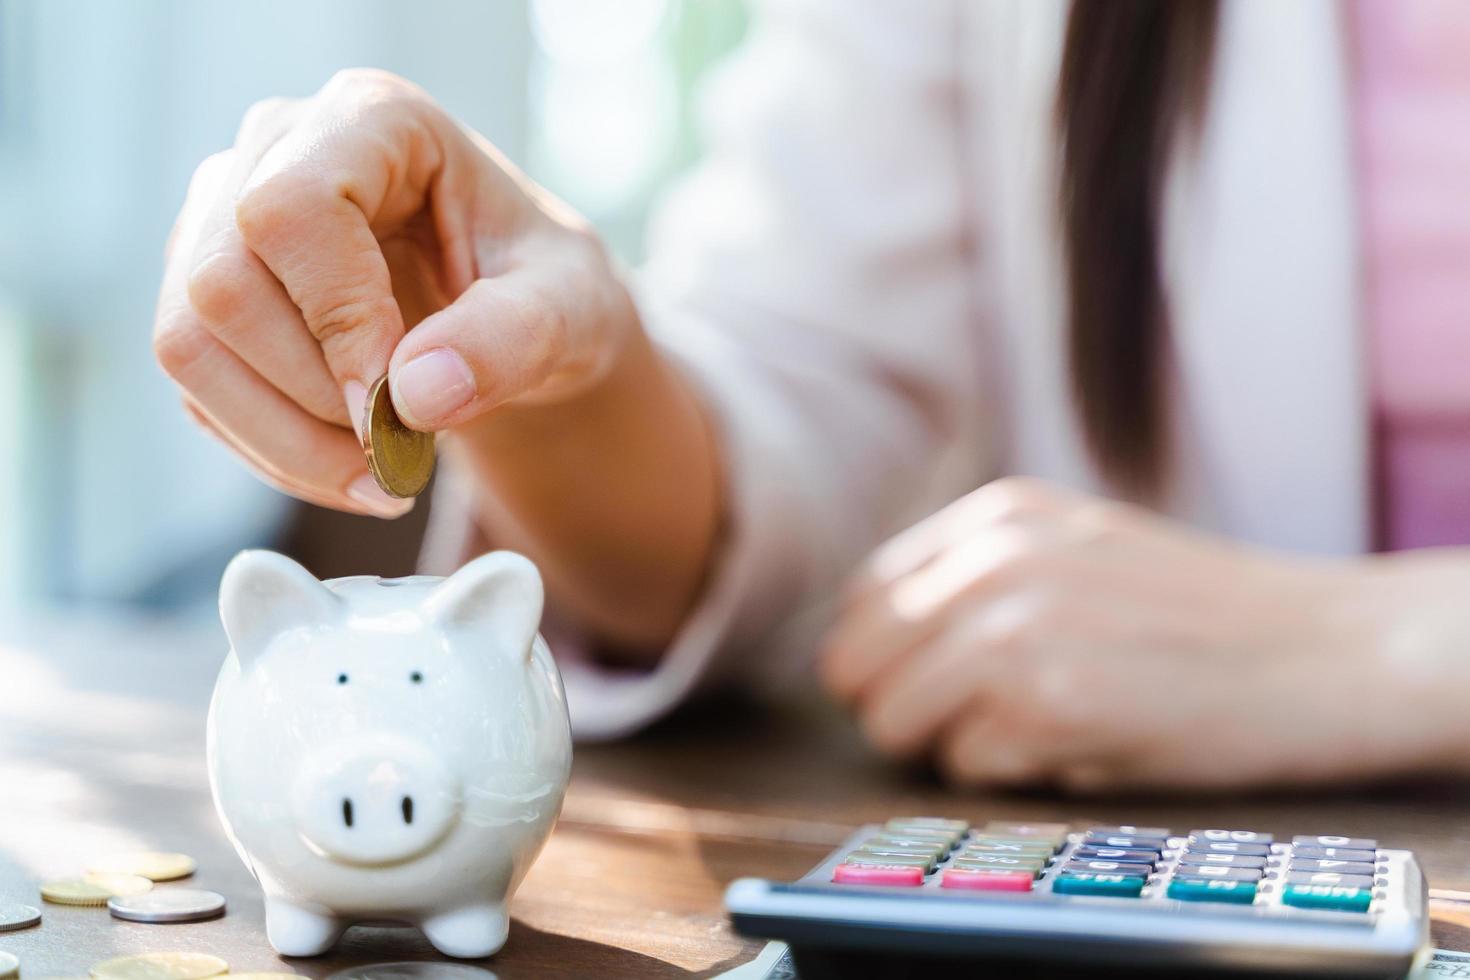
[
  {"x": 119, "y": 884},
  {"x": 401, "y": 459},
  {"x": 161, "y": 966},
  {"x": 74, "y": 891},
  {"x": 153, "y": 865}
]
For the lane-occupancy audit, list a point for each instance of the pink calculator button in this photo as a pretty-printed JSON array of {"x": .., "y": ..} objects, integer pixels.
[
  {"x": 987, "y": 881},
  {"x": 877, "y": 874}
]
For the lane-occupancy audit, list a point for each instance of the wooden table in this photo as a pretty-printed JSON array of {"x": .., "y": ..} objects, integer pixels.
[{"x": 101, "y": 749}]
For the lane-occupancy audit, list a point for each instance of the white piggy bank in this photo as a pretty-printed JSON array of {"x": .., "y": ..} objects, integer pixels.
[{"x": 387, "y": 749}]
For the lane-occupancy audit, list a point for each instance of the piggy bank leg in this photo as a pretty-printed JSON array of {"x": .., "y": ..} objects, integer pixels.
[
  {"x": 297, "y": 931},
  {"x": 473, "y": 930}
]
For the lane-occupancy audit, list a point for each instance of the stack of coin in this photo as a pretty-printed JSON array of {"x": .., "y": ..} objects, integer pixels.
[
  {"x": 400, "y": 459},
  {"x": 124, "y": 883}
]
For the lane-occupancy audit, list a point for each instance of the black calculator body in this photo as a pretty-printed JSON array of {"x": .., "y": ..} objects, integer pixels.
[{"x": 931, "y": 897}]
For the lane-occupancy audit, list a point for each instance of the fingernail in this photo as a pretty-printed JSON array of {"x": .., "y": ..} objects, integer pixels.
[
  {"x": 354, "y": 393},
  {"x": 432, "y": 386},
  {"x": 365, "y": 491}
]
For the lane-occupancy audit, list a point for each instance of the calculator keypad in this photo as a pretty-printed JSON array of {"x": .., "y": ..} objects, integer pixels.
[{"x": 1217, "y": 865}]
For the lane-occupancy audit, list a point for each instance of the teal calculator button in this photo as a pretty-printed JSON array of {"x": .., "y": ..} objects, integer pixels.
[
  {"x": 1098, "y": 883},
  {"x": 1212, "y": 890},
  {"x": 1334, "y": 897}
]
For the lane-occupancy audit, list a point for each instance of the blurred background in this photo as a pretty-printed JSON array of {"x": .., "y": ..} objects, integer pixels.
[{"x": 109, "y": 494}]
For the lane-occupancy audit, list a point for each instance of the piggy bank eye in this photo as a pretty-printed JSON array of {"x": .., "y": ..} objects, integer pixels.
[
  {"x": 341, "y": 678},
  {"x": 417, "y": 677}
]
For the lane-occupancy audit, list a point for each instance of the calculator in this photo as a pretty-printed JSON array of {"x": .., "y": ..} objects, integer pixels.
[{"x": 929, "y": 896}]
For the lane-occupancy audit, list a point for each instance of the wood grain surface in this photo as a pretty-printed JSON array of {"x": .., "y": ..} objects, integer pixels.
[{"x": 102, "y": 749}]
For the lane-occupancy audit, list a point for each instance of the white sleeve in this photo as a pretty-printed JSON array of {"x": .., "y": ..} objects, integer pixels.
[{"x": 812, "y": 277}]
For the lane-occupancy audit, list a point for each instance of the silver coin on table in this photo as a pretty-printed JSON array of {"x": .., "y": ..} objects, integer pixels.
[
  {"x": 168, "y": 905},
  {"x": 9, "y": 965},
  {"x": 14, "y": 915},
  {"x": 413, "y": 971}
]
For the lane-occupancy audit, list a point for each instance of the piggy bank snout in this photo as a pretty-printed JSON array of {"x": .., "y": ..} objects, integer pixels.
[{"x": 380, "y": 800}]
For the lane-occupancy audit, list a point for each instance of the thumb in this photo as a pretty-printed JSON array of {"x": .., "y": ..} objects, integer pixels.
[{"x": 502, "y": 338}]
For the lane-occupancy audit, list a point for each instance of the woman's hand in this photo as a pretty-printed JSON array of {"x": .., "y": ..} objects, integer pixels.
[
  {"x": 335, "y": 224},
  {"x": 301, "y": 260},
  {"x": 1026, "y": 634}
]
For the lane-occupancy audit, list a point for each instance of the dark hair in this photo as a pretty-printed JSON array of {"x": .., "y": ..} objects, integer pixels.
[{"x": 1133, "y": 72}]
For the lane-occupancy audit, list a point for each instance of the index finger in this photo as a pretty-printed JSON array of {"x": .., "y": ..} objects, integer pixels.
[{"x": 309, "y": 212}]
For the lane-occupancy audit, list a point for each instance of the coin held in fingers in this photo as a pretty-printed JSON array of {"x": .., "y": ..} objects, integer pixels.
[{"x": 400, "y": 459}]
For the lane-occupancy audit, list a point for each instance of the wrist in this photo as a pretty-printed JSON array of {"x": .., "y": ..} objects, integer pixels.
[
  {"x": 1412, "y": 624},
  {"x": 614, "y": 489}
]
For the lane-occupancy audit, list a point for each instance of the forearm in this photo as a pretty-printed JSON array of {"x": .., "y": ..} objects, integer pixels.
[{"x": 615, "y": 493}]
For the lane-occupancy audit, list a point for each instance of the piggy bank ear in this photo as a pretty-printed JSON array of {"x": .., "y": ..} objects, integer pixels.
[
  {"x": 263, "y": 594},
  {"x": 497, "y": 595}
]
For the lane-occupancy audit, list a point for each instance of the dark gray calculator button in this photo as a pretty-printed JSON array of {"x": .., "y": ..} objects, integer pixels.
[
  {"x": 1335, "y": 853},
  {"x": 1230, "y": 847},
  {"x": 1137, "y": 841},
  {"x": 1328, "y": 879},
  {"x": 1229, "y": 836},
  {"x": 1133, "y": 854},
  {"x": 1351, "y": 843},
  {"x": 1215, "y": 873},
  {"x": 1223, "y": 860},
  {"x": 1340, "y": 867},
  {"x": 1110, "y": 867}
]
